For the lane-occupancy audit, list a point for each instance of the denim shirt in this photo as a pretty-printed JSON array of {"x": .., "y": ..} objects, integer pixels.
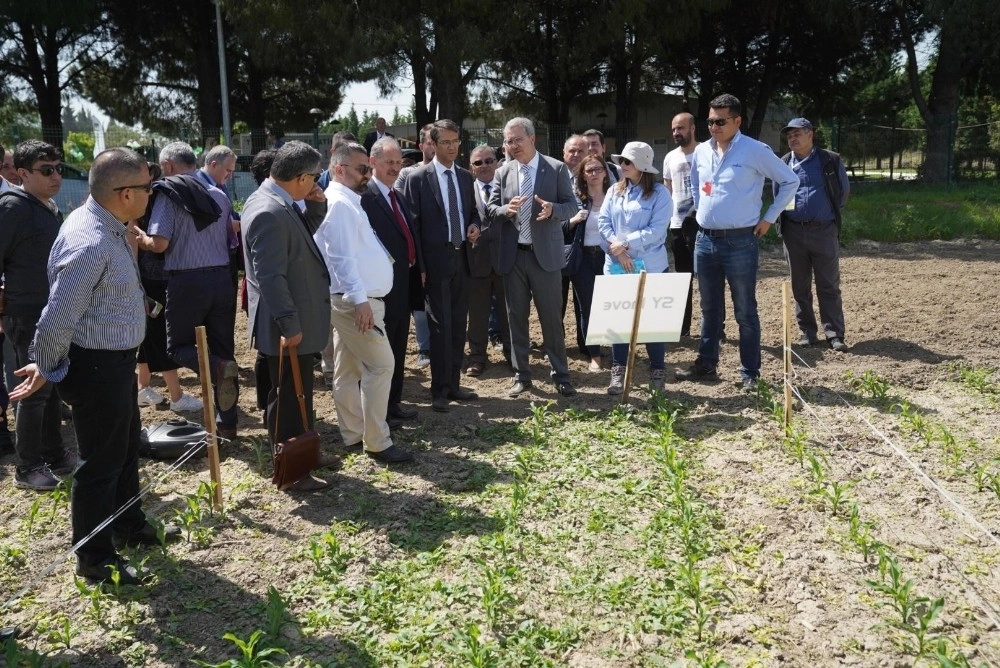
[{"x": 641, "y": 222}]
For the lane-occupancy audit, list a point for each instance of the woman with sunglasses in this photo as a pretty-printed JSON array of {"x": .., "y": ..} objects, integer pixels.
[
  {"x": 591, "y": 182},
  {"x": 633, "y": 224}
]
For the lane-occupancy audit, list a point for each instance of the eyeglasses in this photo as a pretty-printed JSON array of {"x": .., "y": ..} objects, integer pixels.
[
  {"x": 363, "y": 169},
  {"x": 484, "y": 161},
  {"x": 146, "y": 187},
  {"x": 593, "y": 171},
  {"x": 315, "y": 175},
  {"x": 514, "y": 141},
  {"x": 47, "y": 170},
  {"x": 625, "y": 161},
  {"x": 719, "y": 122}
]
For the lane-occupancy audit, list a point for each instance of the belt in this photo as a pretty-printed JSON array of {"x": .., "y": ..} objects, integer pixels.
[
  {"x": 381, "y": 299},
  {"x": 722, "y": 234},
  {"x": 451, "y": 246},
  {"x": 79, "y": 351},
  {"x": 526, "y": 247},
  {"x": 199, "y": 270}
]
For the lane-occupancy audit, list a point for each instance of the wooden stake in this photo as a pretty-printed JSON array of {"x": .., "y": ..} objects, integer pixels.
[
  {"x": 635, "y": 335},
  {"x": 786, "y": 303},
  {"x": 208, "y": 402}
]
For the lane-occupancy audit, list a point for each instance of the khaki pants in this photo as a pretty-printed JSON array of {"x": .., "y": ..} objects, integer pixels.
[{"x": 362, "y": 374}]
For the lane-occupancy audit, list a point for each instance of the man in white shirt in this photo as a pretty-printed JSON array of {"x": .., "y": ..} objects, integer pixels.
[
  {"x": 677, "y": 179},
  {"x": 360, "y": 278}
]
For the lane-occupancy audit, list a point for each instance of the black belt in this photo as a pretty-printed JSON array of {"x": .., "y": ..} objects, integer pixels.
[
  {"x": 199, "y": 270},
  {"x": 381, "y": 299},
  {"x": 722, "y": 234},
  {"x": 451, "y": 246},
  {"x": 526, "y": 247},
  {"x": 95, "y": 353}
]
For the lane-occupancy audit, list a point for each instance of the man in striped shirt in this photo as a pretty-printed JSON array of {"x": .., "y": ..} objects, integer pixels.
[{"x": 86, "y": 341}]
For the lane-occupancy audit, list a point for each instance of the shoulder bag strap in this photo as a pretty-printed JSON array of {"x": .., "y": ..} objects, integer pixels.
[{"x": 300, "y": 394}]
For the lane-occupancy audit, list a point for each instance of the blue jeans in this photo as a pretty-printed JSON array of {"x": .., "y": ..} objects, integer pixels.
[
  {"x": 422, "y": 331},
  {"x": 734, "y": 259}
]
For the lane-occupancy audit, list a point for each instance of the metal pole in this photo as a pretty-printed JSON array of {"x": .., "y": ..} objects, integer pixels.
[{"x": 227, "y": 130}]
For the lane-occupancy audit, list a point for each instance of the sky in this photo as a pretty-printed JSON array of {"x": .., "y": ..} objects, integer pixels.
[{"x": 366, "y": 96}]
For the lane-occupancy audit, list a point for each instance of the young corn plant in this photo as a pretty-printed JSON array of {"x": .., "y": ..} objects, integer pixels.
[
  {"x": 251, "y": 656},
  {"x": 833, "y": 492},
  {"x": 870, "y": 384},
  {"x": 329, "y": 557},
  {"x": 915, "y": 422}
]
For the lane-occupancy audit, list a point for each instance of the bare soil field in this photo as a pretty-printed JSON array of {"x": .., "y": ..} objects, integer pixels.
[{"x": 531, "y": 537}]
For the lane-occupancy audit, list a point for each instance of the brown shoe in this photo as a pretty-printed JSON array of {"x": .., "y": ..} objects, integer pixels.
[
  {"x": 308, "y": 483},
  {"x": 475, "y": 369},
  {"x": 327, "y": 461}
]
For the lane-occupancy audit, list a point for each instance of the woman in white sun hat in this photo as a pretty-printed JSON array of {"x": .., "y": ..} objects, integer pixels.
[{"x": 633, "y": 222}]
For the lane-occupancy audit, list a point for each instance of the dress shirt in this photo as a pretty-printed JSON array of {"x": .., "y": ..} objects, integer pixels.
[
  {"x": 677, "y": 170},
  {"x": 811, "y": 199},
  {"x": 4, "y": 186},
  {"x": 481, "y": 186},
  {"x": 189, "y": 248},
  {"x": 96, "y": 298},
  {"x": 443, "y": 184},
  {"x": 641, "y": 222},
  {"x": 524, "y": 236},
  {"x": 359, "y": 265},
  {"x": 727, "y": 189}
]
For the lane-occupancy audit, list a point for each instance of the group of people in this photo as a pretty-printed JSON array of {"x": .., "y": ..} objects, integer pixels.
[{"x": 336, "y": 260}]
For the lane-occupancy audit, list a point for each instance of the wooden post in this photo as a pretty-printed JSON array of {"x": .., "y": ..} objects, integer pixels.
[
  {"x": 635, "y": 335},
  {"x": 786, "y": 306},
  {"x": 208, "y": 402}
]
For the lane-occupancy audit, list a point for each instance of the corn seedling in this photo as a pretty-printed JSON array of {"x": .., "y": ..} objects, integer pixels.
[
  {"x": 476, "y": 652},
  {"x": 251, "y": 655},
  {"x": 900, "y": 594},
  {"x": 60, "y": 498},
  {"x": 923, "y": 623},
  {"x": 976, "y": 378},
  {"x": 539, "y": 435},
  {"x": 94, "y": 596},
  {"x": 12, "y": 557},
  {"x": 58, "y": 631},
  {"x": 261, "y": 451},
  {"x": 833, "y": 492},
  {"x": 328, "y": 556},
  {"x": 816, "y": 472},
  {"x": 796, "y": 441},
  {"x": 33, "y": 511},
  {"x": 860, "y": 534},
  {"x": 994, "y": 481},
  {"x": 15, "y": 656},
  {"x": 495, "y": 596},
  {"x": 870, "y": 384},
  {"x": 277, "y": 612},
  {"x": 982, "y": 474},
  {"x": 915, "y": 422}
]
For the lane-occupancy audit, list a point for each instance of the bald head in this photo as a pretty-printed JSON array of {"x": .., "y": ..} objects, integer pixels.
[
  {"x": 682, "y": 129},
  {"x": 119, "y": 181}
]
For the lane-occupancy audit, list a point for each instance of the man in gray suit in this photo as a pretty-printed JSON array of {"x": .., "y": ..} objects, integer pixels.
[
  {"x": 288, "y": 286},
  {"x": 532, "y": 195}
]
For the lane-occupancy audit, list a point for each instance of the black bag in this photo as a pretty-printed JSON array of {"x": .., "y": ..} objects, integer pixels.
[
  {"x": 295, "y": 457},
  {"x": 573, "y": 251}
]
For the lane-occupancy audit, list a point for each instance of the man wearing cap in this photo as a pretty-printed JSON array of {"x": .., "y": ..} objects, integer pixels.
[
  {"x": 810, "y": 230},
  {"x": 727, "y": 177}
]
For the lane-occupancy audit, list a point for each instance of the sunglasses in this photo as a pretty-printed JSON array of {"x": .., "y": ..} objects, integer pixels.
[
  {"x": 625, "y": 161},
  {"x": 363, "y": 169},
  {"x": 315, "y": 175},
  {"x": 47, "y": 170},
  {"x": 719, "y": 122},
  {"x": 146, "y": 187},
  {"x": 484, "y": 161}
]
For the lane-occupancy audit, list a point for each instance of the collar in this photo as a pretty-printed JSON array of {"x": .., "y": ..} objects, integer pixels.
[
  {"x": 382, "y": 188},
  {"x": 483, "y": 184},
  {"x": 532, "y": 164},
  {"x": 94, "y": 207},
  {"x": 270, "y": 186},
  {"x": 341, "y": 190},
  {"x": 715, "y": 145},
  {"x": 440, "y": 169},
  {"x": 207, "y": 177}
]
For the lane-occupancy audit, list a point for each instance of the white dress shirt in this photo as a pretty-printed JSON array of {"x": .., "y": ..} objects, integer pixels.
[
  {"x": 443, "y": 184},
  {"x": 360, "y": 267},
  {"x": 524, "y": 236}
]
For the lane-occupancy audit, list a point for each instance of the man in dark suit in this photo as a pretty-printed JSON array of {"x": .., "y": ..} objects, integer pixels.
[
  {"x": 532, "y": 195},
  {"x": 442, "y": 203},
  {"x": 387, "y": 216},
  {"x": 484, "y": 267},
  {"x": 288, "y": 285},
  {"x": 376, "y": 134}
]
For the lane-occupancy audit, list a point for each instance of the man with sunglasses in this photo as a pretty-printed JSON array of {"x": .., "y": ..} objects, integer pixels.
[
  {"x": 31, "y": 222},
  {"x": 727, "y": 178}
]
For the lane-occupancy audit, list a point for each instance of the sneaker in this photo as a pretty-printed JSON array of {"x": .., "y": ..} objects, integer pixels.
[
  {"x": 328, "y": 380},
  {"x": 747, "y": 385},
  {"x": 186, "y": 404},
  {"x": 66, "y": 466},
  {"x": 656, "y": 379},
  {"x": 423, "y": 359},
  {"x": 226, "y": 388},
  {"x": 39, "y": 479},
  {"x": 617, "y": 384},
  {"x": 695, "y": 372},
  {"x": 805, "y": 341},
  {"x": 838, "y": 344},
  {"x": 150, "y": 397}
]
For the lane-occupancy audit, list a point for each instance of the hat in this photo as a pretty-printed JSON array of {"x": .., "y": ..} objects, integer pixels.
[
  {"x": 797, "y": 123},
  {"x": 639, "y": 154}
]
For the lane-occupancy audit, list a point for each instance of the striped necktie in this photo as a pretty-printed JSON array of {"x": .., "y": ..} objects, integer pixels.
[{"x": 524, "y": 213}]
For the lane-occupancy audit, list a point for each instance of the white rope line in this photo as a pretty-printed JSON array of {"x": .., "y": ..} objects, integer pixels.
[{"x": 58, "y": 561}]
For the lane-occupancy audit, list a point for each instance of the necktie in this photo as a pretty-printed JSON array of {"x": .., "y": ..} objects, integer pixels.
[
  {"x": 486, "y": 192},
  {"x": 411, "y": 252},
  {"x": 454, "y": 220},
  {"x": 524, "y": 213}
]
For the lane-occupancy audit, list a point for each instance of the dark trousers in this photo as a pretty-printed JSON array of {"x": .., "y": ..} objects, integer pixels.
[
  {"x": 39, "y": 417},
  {"x": 101, "y": 388},
  {"x": 813, "y": 249},
  {"x": 527, "y": 281},
  {"x": 289, "y": 415},
  {"x": 153, "y": 350},
  {"x": 583, "y": 281},
  {"x": 482, "y": 291},
  {"x": 683, "y": 263},
  {"x": 447, "y": 297},
  {"x": 397, "y": 331},
  {"x": 262, "y": 375},
  {"x": 206, "y": 298}
]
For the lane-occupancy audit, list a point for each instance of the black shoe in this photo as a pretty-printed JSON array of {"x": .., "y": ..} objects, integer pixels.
[
  {"x": 440, "y": 405},
  {"x": 747, "y": 385},
  {"x": 518, "y": 387},
  {"x": 565, "y": 389},
  {"x": 391, "y": 455},
  {"x": 127, "y": 573},
  {"x": 695, "y": 372},
  {"x": 838, "y": 344},
  {"x": 401, "y": 412},
  {"x": 146, "y": 536},
  {"x": 805, "y": 340},
  {"x": 394, "y": 423},
  {"x": 462, "y": 395}
]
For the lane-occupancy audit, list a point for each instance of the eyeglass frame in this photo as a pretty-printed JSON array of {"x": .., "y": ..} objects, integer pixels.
[
  {"x": 59, "y": 169},
  {"x": 147, "y": 187},
  {"x": 484, "y": 161},
  {"x": 719, "y": 122}
]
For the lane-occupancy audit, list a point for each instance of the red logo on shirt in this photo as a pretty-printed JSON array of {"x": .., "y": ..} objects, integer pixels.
[{"x": 707, "y": 188}]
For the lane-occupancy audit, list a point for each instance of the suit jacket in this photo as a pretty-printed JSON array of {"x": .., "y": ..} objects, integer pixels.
[
  {"x": 422, "y": 194},
  {"x": 484, "y": 256},
  {"x": 288, "y": 285},
  {"x": 371, "y": 138},
  {"x": 552, "y": 184},
  {"x": 383, "y": 221}
]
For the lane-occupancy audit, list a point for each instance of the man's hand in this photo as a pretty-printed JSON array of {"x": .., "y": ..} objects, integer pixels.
[
  {"x": 472, "y": 234},
  {"x": 291, "y": 340},
  {"x": 546, "y": 211},
  {"x": 316, "y": 194},
  {"x": 761, "y": 229},
  {"x": 33, "y": 381},
  {"x": 515, "y": 204},
  {"x": 364, "y": 319}
]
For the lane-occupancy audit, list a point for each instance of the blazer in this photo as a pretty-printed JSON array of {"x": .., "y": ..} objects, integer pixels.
[
  {"x": 371, "y": 138},
  {"x": 552, "y": 184},
  {"x": 422, "y": 194},
  {"x": 484, "y": 257},
  {"x": 383, "y": 221},
  {"x": 288, "y": 284}
]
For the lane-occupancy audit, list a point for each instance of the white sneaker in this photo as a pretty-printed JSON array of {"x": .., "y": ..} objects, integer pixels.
[
  {"x": 423, "y": 359},
  {"x": 150, "y": 397},
  {"x": 186, "y": 404}
]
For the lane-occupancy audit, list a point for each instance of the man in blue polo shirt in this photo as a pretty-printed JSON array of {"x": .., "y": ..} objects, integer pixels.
[{"x": 727, "y": 177}]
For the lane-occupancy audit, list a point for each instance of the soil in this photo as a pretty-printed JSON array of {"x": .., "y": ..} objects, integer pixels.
[{"x": 911, "y": 310}]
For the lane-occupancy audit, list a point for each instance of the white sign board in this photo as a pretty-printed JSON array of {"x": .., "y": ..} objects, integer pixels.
[{"x": 613, "y": 307}]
